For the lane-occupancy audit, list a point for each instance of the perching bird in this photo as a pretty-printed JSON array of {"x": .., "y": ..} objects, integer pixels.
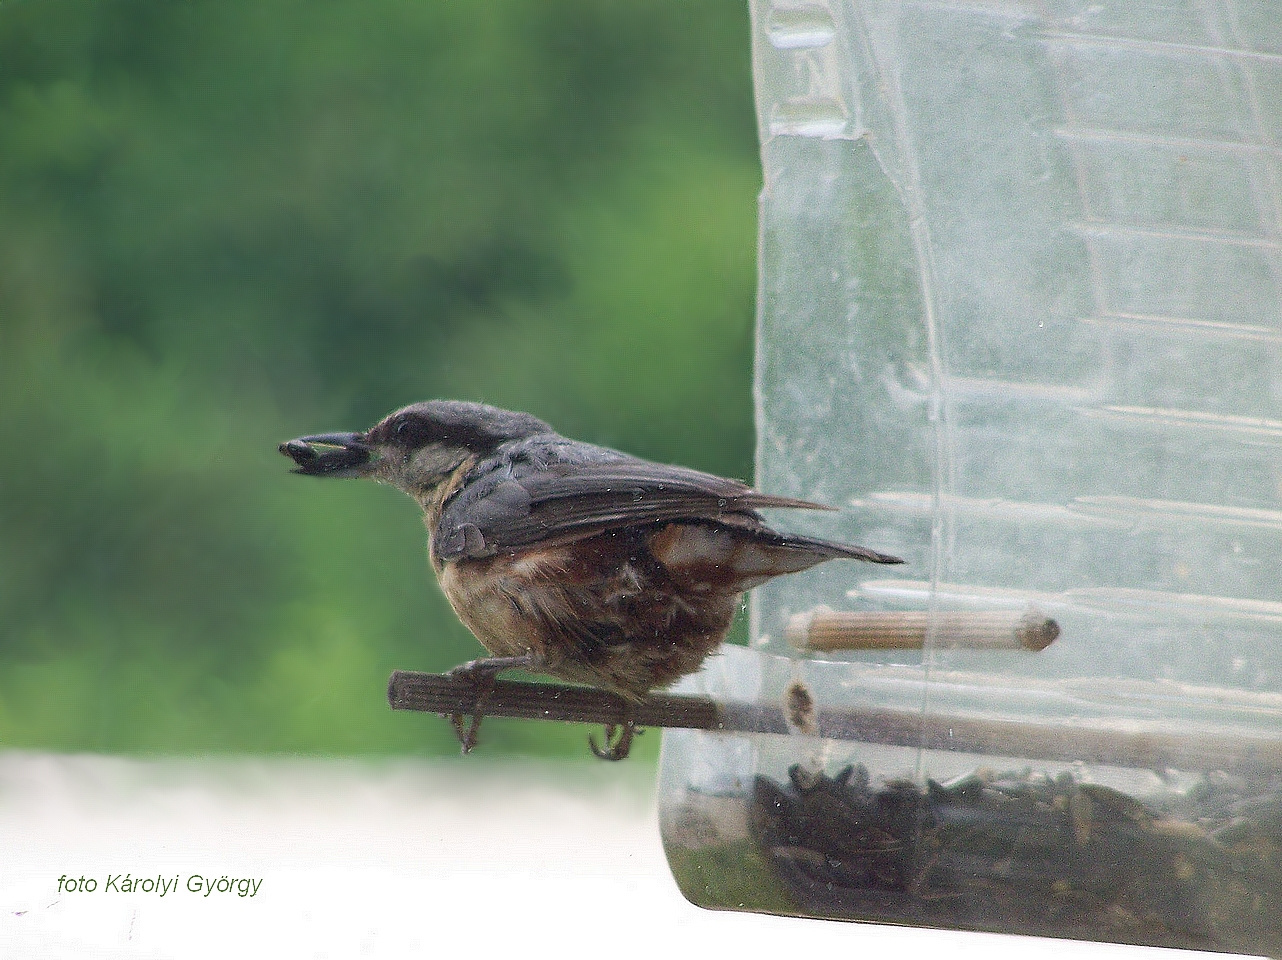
[{"x": 570, "y": 559}]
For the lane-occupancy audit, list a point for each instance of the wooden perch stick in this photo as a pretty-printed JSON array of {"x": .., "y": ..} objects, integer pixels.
[
  {"x": 444, "y": 694},
  {"x": 909, "y": 630},
  {"x": 1094, "y": 744}
]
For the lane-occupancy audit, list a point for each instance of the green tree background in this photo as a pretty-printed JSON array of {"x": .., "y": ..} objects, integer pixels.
[{"x": 224, "y": 223}]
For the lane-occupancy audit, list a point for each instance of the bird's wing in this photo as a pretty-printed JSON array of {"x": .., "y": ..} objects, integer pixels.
[{"x": 564, "y": 502}]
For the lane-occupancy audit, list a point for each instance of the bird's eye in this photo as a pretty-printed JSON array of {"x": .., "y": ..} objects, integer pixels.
[{"x": 411, "y": 431}]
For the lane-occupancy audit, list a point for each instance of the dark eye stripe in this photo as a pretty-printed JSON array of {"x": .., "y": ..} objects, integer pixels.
[{"x": 415, "y": 430}]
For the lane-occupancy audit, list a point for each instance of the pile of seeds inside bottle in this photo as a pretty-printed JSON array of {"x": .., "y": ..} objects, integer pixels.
[{"x": 1026, "y": 852}]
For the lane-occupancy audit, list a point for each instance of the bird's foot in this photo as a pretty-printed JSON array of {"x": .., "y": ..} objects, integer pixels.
[
  {"x": 618, "y": 749},
  {"x": 467, "y": 734},
  {"x": 482, "y": 674}
]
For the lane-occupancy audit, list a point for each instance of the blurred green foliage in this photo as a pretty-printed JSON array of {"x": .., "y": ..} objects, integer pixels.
[{"x": 224, "y": 223}]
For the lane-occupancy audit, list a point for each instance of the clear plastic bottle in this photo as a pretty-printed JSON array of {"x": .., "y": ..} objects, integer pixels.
[{"x": 1019, "y": 318}]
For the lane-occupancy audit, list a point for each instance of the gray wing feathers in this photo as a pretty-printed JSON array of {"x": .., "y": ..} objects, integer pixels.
[
  {"x": 653, "y": 483},
  {"x": 522, "y": 505}
]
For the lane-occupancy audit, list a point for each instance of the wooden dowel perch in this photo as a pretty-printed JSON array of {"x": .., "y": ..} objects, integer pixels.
[
  {"x": 446, "y": 695},
  {"x": 909, "y": 630},
  {"x": 1096, "y": 744}
]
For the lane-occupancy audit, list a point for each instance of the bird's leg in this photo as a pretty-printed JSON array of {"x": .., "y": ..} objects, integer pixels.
[
  {"x": 482, "y": 674},
  {"x": 620, "y": 748}
]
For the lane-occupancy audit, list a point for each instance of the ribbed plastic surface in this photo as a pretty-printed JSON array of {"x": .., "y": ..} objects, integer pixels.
[{"x": 1021, "y": 320}]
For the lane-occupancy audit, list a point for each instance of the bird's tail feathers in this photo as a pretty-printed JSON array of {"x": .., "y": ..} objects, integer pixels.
[
  {"x": 774, "y": 554},
  {"x": 736, "y": 559},
  {"x": 831, "y": 550}
]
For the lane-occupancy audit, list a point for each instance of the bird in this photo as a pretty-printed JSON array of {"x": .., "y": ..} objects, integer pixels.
[{"x": 569, "y": 559}]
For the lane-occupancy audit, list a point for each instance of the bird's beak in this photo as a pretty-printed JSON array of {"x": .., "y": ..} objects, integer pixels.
[{"x": 329, "y": 454}]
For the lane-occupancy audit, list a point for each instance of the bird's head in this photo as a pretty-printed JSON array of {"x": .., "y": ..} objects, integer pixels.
[{"x": 415, "y": 448}]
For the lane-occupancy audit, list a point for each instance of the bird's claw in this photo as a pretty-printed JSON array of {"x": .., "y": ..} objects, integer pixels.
[
  {"x": 620, "y": 748},
  {"x": 483, "y": 679},
  {"x": 466, "y": 737}
]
